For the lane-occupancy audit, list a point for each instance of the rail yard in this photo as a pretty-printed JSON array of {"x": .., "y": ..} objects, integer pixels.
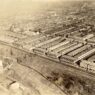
[
  {"x": 74, "y": 51},
  {"x": 47, "y": 48}
]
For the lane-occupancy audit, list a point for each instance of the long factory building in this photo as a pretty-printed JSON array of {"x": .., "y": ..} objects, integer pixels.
[{"x": 61, "y": 46}]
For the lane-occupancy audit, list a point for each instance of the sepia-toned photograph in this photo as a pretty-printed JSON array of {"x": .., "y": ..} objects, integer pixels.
[{"x": 47, "y": 47}]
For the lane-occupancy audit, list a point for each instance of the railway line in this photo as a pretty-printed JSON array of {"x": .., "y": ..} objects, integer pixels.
[
  {"x": 60, "y": 49},
  {"x": 65, "y": 66}
]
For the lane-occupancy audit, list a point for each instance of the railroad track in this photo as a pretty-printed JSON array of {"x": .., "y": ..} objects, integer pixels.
[{"x": 70, "y": 68}]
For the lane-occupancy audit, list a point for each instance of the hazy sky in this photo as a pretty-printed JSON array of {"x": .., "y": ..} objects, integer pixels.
[{"x": 9, "y": 7}]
